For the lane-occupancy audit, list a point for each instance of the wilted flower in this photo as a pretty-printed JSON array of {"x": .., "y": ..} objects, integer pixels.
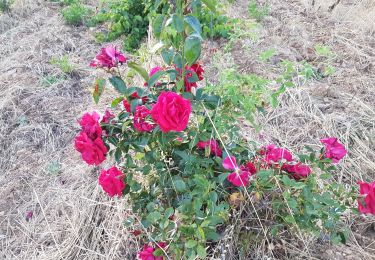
[
  {"x": 273, "y": 154},
  {"x": 139, "y": 121},
  {"x": 297, "y": 171},
  {"x": 240, "y": 176}
]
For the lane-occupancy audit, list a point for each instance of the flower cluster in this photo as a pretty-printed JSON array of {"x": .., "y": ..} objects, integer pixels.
[{"x": 89, "y": 141}]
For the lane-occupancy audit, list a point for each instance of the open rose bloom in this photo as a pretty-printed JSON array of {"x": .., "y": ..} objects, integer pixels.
[
  {"x": 108, "y": 58},
  {"x": 240, "y": 176},
  {"x": 367, "y": 191},
  {"x": 112, "y": 181},
  {"x": 213, "y": 145},
  {"x": 334, "y": 150}
]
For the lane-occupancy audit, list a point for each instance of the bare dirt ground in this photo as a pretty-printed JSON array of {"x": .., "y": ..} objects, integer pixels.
[{"x": 41, "y": 173}]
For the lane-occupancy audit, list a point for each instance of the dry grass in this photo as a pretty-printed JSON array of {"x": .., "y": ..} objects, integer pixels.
[{"x": 73, "y": 219}]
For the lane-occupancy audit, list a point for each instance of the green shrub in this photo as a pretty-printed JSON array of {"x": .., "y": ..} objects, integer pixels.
[
  {"x": 215, "y": 25},
  {"x": 75, "y": 14},
  {"x": 5, "y": 5}
]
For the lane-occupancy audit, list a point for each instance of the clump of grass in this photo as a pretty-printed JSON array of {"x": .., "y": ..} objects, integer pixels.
[
  {"x": 75, "y": 14},
  {"x": 256, "y": 11},
  {"x": 63, "y": 64}
]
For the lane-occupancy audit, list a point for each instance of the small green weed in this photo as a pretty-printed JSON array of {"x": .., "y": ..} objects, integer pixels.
[
  {"x": 75, "y": 14},
  {"x": 257, "y": 12},
  {"x": 65, "y": 2},
  {"x": 50, "y": 80},
  {"x": 63, "y": 64}
]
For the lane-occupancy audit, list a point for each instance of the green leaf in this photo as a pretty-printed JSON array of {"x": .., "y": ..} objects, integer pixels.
[
  {"x": 118, "y": 84},
  {"x": 168, "y": 212},
  {"x": 158, "y": 25},
  {"x": 134, "y": 103},
  {"x": 201, "y": 252},
  {"x": 192, "y": 49},
  {"x": 266, "y": 55},
  {"x": 151, "y": 82},
  {"x": 98, "y": 89},
  {"x": 139, "y": 69},
  {"x": 158, "y": 252},
  {"x": 177, "y": 23},
  {"x": 153, "y": 217},
  {"x": 180, "y": 185},
  {"x": 211, "y": 4},
  {"x": 116, "y": 101},
  {"x": 177, "y": 60},
  {"x": 191, "y": 243},
  {"x": 194, "y": 23},
  {"x": 167, "y": 56}
]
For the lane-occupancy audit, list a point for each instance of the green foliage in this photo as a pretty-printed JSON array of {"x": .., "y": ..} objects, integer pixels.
[
  {"x": 5, "y": 5},
  {"x": 215, "y": 25},
  {"x": 181, "y": 194},
  {"x": 125, "y": 17},
  {"x": 63, "y": 64},
  {"x": 75, "y": 14},
  {"x": 66, "y": 2},
  {"x": 257, "y": 12}
]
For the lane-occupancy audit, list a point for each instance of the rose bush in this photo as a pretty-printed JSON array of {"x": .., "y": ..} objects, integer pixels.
[{"x": 196, "y": 170}]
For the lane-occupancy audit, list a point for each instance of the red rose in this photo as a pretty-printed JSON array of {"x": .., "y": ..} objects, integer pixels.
[
  {"x": 240, "y": 176},
  {"x": 171, "y": 112},
  {"x": 93, "y": 151},
  {"x": 90, "y": 125},
  {"x": 273, "y": 154},
  {"x": 139, "y": 121},
  {"x": 297, "y": 171},
  {"x": 197, "y": 69},
  {"x": 250, "y": 167},
  {"x": 112, "y": 181},
  {"x": 148, "y": 253},
  {"x": 368, "y": 191},
  {"x": 108, "y": 57},
  {"x": 213, "y": 145},
  {"x": 333, "y": 149}
]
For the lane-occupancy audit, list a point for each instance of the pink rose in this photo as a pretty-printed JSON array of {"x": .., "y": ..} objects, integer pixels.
[
  {"x": 240, "y": 176},
  {"x": 368, "y": 191},
  {"x": 112, "y": 181},
  {"x": 273, "y": 154},
  {"x": 108, "y": 57},
  {"x": 148, "y": 252},
  {"x": 171, "y": 112},
  {"x": 297, "y": 171},
  {"x": 333, "y": 149},
  {"x": 93, "y": 151},
  {"x": 213, "y": 145},
  {"x": 139, "y": 121},
  {"x": 90, "y": 125}
]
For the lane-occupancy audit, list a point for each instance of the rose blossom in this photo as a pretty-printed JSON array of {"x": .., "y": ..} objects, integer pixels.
[
  {"x": 90, "y": 125},
  {"x": 148, "y": 252},
  {"x": 108, "y": 57},
  {"x": 297, "y": 171},
  {"x": 368, "y": 191},
  {"x": 333, "y": 149},
  {"x": 213, "y": 145},
  {"x": 112, "y": 181},
  {"x": 152, "y": 72},
  {"x": 171, "y": 112},
  {"x": 93, "y": 151},
  {"x": 273, "y": 154},
  {"x": 139, "y": 121},
  {"x": 240, "y": 177},
  {"x": 197, "y": 69}
]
